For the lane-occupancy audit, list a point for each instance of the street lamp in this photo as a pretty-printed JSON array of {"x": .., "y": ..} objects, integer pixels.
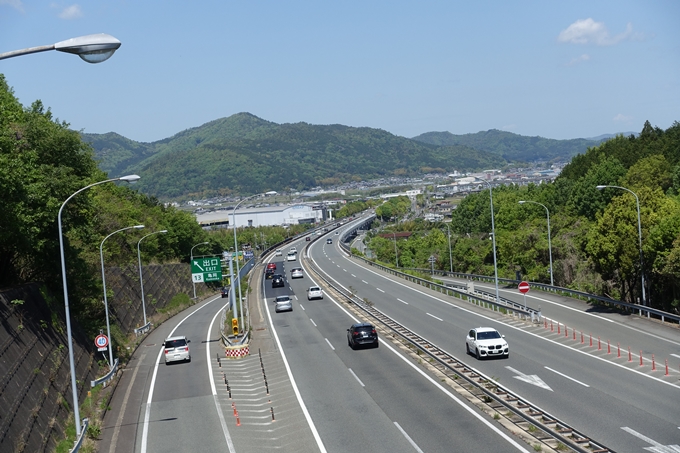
[
  {"x": 450, "y": 253},
  {"x": 238, "y": 270},
  {"x": 396, "y": 256},
  {"x": 549, "y": 245},
  {"x": 106, "y": 303},
  {"x": 91, "y": 48},
  {"x": 76, "y": 410},
  {"x": 493, "y": 237},
  {"x": 141, "y": 279},
  {"x": 191, "y": 261},
  {"x": 637, "y": 205}
]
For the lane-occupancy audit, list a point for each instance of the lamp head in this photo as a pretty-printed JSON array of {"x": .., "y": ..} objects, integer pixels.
[
  {"x": 163, "y": 231},
  {"x": 91, "y": 48},
  {"x": 129, "y": 178},
  {"x": 600, "y": 187},
  {"x": 138, "y": 227},
  {"x": 522, "y": 202}
]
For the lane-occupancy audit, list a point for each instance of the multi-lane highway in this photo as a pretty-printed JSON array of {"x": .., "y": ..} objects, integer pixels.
[{"x": 626, "y": 406}]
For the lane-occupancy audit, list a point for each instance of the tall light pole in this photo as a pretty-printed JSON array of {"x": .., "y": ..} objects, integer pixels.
[
  {"x": 74, "y": 389},
  {"x": 450, "y": 253},
  {"x": 141, "y": 279},
  {"x": 396, "y": 255},
  {"x": 637, "y": 205},
  {"x": 493, "y": 237},
  {"x": 106, "y": 303},
  {"x": 191, "y": 260},
  {"x": 549, "y": 245},
  {"x": 91, "y": 48}
]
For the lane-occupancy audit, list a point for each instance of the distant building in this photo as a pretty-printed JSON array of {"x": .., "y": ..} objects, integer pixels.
[{"x": 263, "y": 216}]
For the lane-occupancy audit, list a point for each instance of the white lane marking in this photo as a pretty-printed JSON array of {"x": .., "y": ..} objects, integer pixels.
[
  {"x": 529, "y": 378},
  {"x": 308, "y": 417},
  {"x": 380, "y": 290},
  {"x": 417, "y": 369},
  {"x": 147, "y": 410},
  {"x": 119, "y": 421},
  {"x": 356, "y": 377},
  {"x": 676, "y": 355},
  {"x": 329, "y": 344},
  {"x": 365, "y": 281},
  {"x": 403, "y": 301},
  {"x": 435, "y": 317},
  {"x": 220, "y": 414},
  {"x": 656, "y": 446},
  {"x": 510, "y": 326},
  {"x": 344, "y": 270},
  {"x": 313, "y": 322},
  {"x": 338, "y": 265},
  {"x": 413, "y": 444},
  {"x": 303, "y": 308},
  {"x": 354, "y": 276},
  {"x": 568, "y": 377}
]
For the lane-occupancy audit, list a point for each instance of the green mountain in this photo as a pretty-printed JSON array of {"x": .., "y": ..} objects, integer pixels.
[
  {"x": 245, "y": 154},
  {"x": 513, "y": 147}
]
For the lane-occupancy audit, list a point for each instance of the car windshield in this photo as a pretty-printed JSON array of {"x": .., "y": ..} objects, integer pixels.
[
  {"x": 175, "y": 343},
  {"x": 488, "y": 335},
  {"x": 282, "y": 299},
  {"x": 315, "y": 288},
  {"x": 364, "y": 329}
]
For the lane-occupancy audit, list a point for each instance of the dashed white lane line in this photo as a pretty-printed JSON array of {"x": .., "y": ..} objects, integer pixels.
[
  {"x": 403, "y": 301},
  {"x": 312, "y": 322},
  {"x": 344, "y": 270},
  {"x": 354, "y": 276},
  {"x": 676, "y": 355},
  {"x": 568, "y": 377},
  {"x": 356, "y": 377},
  {"x": 329, "y": 344},
  {"x": 303, "y": 308},
  {"x": 365, "y": 281},
  {"x": 382, "y": 291},
  {"x": 435, "y": 317},
  {"x": 413, "y": 444}
]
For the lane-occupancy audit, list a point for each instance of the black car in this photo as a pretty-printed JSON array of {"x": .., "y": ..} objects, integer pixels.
[
  {"x": 277, "y": 281},
  {"x": 225, "y": 291},
  {"x": 329, "y": 241},
  {"x": 269, "y": 273},
  {"x": 362, "y": 334}
]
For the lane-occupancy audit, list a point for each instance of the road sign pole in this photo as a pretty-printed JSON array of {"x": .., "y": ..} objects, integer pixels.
[{"x": 525, "y": 301}]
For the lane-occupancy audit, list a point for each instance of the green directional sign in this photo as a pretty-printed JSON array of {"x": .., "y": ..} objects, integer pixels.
[{"x": 206, "y": 269}]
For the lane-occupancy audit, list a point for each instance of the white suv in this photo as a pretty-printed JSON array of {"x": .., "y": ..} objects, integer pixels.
[
  {"x": 176, "y": 349},
  {"x": 314, "y": 292},
  {"x": 292, "y": 256},
  {"x": 486, "y": 342}
]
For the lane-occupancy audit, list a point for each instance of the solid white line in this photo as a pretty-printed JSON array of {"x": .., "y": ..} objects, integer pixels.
[
  {"x": 659, "y": 446},
  {"x": 382, "y": 291},
  {"x": 568, "y": 377},
  {"x": 313, "y": 322},
  {"x": 329, "y": 344},
  {"x": 147, "y": 410},
  {"x": 413, "y": 444},
  {"x": 356, "y": 377},
  {"x": 435, "y": 317},
  {"x": 403, "y": 301}
]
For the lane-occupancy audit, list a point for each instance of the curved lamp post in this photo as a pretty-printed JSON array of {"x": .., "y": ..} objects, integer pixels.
[
  {"x": 637, "y": 205},
  {"x": 549, "y": 245},
  {"x": 396, "y": 255},
  {"x": 238, "y": 270},
  {"x": 74, "y": 389},
  {"x": 191, "y": 260},
  {"x": 493, "y": 236},
  {"x": 106, "y": 303},
  {"x": 141, "y": 279},
  {"x": 91, "y": 48},
  {"x": 450, "y": 253}
]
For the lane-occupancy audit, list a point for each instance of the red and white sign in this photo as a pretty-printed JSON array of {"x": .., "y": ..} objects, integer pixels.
[
  {"x": 102, "y": 342},
  {"x": 523, "y": 287}
]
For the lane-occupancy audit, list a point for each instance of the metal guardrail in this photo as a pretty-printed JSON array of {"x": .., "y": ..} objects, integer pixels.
[
  {"x": 107, "y": 377},
  {"x": 79, "y": 441},
  {"x": 143, "y": 329}
]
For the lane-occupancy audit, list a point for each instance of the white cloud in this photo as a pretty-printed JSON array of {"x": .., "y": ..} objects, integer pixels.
[
  {"x": 621, "y": 118},
  {"x": 71, "y": 12},
  {"x": 590, "y": 32},
  {"x": 509, "y": 127},
  {"x": 579, "y": 59},
  {"x": 16, "y": 4}
]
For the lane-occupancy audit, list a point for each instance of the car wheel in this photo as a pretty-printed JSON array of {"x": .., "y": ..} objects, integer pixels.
[
  {"x": 477, "y": 353},
  {"x": 467, "y": 349},
  {"x": 377, "y": 343}
]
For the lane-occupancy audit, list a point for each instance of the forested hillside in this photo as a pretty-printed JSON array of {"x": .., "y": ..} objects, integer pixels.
[
  {"x": 245, "y": 154},
  {"x": 512, "y": 147}
]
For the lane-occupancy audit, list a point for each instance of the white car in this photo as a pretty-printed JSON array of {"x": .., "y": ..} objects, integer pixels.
[
  {"x": 314, "y": 292},
  {"x": 176, "y": 349},
  {"x": 292, "y": 256},
  {"x": 292, "y": 250},
  {"x": 296, "y": 272},
  {"x": 283, "y": 303},
  {"x": 278, "y": 252},
  {"x": 486, "y": 342}
]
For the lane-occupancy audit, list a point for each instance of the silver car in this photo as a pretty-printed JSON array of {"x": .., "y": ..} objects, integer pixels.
[
  {"x": 314, "y": 292},
  {"x": 283, "y": 303},
  {"x": 296, "y": 272},
  {"x": 176, "y": 349}
]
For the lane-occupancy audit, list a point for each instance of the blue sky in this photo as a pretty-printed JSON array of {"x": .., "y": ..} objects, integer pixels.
[{"x": 554, "y": 69}]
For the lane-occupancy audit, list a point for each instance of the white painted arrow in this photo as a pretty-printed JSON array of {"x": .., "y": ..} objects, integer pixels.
[
  {"x": 656, "y": 446},
  {"x": 530, "y": 378}
]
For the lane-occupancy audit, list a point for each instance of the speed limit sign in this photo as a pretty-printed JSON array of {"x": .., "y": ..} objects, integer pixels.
[{"x": 102, "y": 342}]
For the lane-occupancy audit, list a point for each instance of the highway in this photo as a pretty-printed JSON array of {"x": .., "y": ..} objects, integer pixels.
[{"x": 626, "y": 406}]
